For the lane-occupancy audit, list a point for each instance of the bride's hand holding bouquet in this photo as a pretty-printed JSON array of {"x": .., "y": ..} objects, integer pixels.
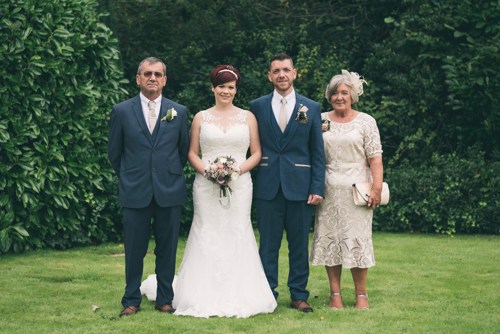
[{"x": 221, "y": 171}]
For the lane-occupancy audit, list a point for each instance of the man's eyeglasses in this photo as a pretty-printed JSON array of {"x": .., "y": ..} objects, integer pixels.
[{"x": 149, "y": 74}]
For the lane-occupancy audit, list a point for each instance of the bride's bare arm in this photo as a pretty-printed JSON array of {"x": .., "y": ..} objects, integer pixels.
[
  {"x": 255, "y": 150},
  {"x": 194, "y": 145}
]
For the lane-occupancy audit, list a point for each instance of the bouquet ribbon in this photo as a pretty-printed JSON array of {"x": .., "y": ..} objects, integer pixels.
[{"x": 225, "y": 196}]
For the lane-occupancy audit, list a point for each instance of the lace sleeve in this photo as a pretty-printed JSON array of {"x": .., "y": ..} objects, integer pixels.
[
  {"x": 206, "y": 116},
  {"x": 372, "y": 144}
]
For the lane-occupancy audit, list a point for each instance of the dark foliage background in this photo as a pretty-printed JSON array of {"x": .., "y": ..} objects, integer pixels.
[{"x": 432, "y": 69}]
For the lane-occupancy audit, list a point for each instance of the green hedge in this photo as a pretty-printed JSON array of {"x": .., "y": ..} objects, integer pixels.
[
  {"x": 61, "y": 75},
  {"x": 449, "y": 194}
]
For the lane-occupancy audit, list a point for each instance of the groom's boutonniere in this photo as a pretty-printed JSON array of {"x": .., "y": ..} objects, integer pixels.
[
  {"x": 302, "y": 114},
  {"x": 170, "y": 115}
]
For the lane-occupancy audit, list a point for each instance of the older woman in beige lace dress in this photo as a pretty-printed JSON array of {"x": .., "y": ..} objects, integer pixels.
[{"x": 353, "y": 153}]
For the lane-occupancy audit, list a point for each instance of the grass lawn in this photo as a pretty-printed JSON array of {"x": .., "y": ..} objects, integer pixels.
[{"x": 421, "y": 284}]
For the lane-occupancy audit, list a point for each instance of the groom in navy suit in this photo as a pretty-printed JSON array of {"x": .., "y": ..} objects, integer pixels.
[
  {"x": 147, "y": 148},
  {"x": 290, "y": 177}
]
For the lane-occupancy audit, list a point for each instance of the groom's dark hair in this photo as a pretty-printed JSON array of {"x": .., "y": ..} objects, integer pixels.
[{"x": 280, "y": 56}]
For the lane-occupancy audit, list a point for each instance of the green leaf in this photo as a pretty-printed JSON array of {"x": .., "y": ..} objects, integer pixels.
[
  {"x": 27, "y": 32},
  {"x": 62, "y": 32},
  {"x": 5, "y": 241},
  {"x": 21, "y": 231}
]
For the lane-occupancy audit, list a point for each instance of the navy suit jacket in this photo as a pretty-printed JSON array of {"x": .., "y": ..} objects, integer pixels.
[
  {"x": 295, "y": 159},
  {"x": 149, "y": 165}
]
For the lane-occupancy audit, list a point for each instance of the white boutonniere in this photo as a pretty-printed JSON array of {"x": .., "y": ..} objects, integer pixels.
[
  {"x": 325, "y": 125},
  {"x": 302, "y": 114},
  {"x": 170, "y": 115}
]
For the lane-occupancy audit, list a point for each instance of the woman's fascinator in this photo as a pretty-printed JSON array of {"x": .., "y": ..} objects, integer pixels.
[
  {"x": 351, "y": 79},
  {"x": 356, "y": 81}
]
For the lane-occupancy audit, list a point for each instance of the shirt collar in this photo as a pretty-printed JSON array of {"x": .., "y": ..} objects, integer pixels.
[
  {"x": 288, "y": 98},
  {"x": 145, "y": 100}
]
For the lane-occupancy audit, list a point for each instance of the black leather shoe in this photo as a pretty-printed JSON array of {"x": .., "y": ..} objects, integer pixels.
[
  {"x": 301, "y": 306},
  {"x": 129, "y": 310},
  {"x": 167, "y": 308}
]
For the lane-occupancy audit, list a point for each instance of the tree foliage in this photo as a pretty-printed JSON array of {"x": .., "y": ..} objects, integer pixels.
[
  {"x": 436, "y": 72},
  {"x": 61, "y": 75},
  {"x": 192, "y": 37},
  {"x": 431, "y": 68},
  {"x": 430, "y": 65}
]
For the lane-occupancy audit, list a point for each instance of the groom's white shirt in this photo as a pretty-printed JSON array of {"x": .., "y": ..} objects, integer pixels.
[{"x": 290, "y": 105}]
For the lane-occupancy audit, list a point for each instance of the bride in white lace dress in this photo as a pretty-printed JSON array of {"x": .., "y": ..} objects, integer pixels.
[{"x": 221, "y": 273}]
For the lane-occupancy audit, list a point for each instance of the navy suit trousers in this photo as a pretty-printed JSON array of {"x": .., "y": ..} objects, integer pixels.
[
  {"x": 136, "y": 229},
  {"x": 273, "y": 217}
]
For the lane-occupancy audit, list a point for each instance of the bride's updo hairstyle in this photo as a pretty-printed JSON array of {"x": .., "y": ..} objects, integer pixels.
[
  {"x": 351, "y": 79},
  {"x": 224, "y": 73}
]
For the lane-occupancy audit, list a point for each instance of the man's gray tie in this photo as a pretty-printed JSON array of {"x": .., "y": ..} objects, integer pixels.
[
  {"x": 283, "y": 117},
  {"x": 152, "y": 116}
]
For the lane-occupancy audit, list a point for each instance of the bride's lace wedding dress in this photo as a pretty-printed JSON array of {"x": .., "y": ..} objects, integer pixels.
[{"x": 221, "y": 273}]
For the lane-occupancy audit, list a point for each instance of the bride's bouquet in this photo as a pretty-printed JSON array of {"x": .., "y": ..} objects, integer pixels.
[{"x": 222, "y": 171}]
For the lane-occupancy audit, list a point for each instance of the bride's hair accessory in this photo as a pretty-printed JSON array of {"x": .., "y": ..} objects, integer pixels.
[
  {"x": 232, "y": 72},
  {"x": 224, "y": 73},
  {"x": 352, "y": 79}
]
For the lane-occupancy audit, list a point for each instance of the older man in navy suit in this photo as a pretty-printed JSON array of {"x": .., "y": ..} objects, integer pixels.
[
  {"x": 148, "y": 146},
  {"x": 290, "y": 177}
]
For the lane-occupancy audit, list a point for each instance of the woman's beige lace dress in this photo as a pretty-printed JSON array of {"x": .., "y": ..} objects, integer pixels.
[{"x": 343, "y": 231}]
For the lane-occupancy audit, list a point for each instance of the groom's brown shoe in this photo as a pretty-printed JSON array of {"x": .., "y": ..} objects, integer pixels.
[
  {"x": 167, "y": 308},
  {"x": 129, "y": 310},
  {"x": 301, "y": 306}
]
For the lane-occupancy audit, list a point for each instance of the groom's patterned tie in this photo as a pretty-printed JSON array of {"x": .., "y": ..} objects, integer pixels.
[
  {"x": 282, "y": 116},
  {"x": 151, "y": 116}
]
